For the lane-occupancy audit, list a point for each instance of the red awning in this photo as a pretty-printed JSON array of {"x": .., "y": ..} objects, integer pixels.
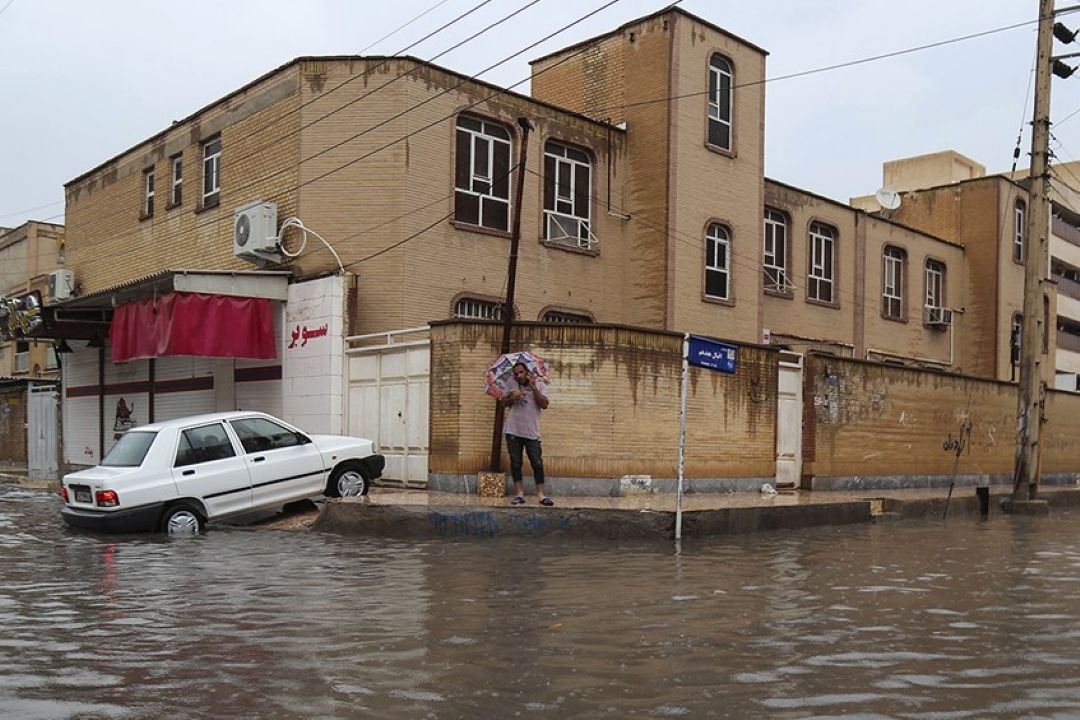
[{"x": 193, "y": 324}]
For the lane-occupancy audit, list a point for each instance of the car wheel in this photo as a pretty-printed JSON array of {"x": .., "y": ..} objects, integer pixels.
[
  {"x": 348, "y": 481},
  {"x": 182, "y": 520}
]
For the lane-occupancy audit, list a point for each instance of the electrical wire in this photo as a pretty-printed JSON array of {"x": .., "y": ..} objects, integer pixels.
[
  {"x": 401, "y": 27},
  {"x": 589, "y": 47}
]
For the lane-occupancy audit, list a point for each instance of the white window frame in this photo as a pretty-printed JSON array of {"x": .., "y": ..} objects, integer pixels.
[
  {"x": 566, "y": 318},
  {"x": 1019, "y": 211},
  {"x": 717, "y": 238},
  {"x": 820, "y": 275},
  {"x": 148, "y": 192},
  {"x": 211, "y": 179},
  {"x": 935, "y": 284},
  {"x": 476, "y": 137},
  {"x": 566, "y": 222},
  {"x": 717, "y": 76},
  {"x": 775, "y": 251},
  {"x": 51, "y": 362},
  {"x": 893, "y": 259},
  {"x": 22, "y": 357},
  {"x": 471, "y": 308},
  {"x": 177, "y": 188}
]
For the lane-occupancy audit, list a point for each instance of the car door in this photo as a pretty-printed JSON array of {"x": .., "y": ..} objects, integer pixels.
[
  {"x": 283, "y": 464},
  {"x": 207, "y": 466}
]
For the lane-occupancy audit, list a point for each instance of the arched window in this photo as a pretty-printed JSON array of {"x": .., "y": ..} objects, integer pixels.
[
  {"x": 721, "y": 99},
  {"x": 894, "y": 261},
  {"x": 717, "y": 262},
  {"x": 477, "y": 309},
  {"x": 1019, "y": 213},
  {"x": 776, "y": 251},
  {"x": 482, "y": 173},
  {"x": 821, "y": 270},
  {"x": 567, "y": 192}
]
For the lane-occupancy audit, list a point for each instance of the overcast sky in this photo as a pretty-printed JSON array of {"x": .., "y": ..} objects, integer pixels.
[{"x": 83, "y": 81}]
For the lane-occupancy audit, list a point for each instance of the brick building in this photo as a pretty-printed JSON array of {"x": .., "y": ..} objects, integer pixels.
[{"x": 645, "y": 204}]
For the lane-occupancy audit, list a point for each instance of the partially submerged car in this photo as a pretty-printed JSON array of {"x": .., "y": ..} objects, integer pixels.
[{"x": 174, "y": 476}]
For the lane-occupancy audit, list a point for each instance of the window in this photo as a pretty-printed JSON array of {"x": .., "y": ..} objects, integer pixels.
[
  {"x": 148, "y": 192},
  {"x": 211, "y": 153},
  {"x": 776, "y": 231},
  {"x": 204, "y": 444},
  {"x": 1015, "y": 338},
  {"x": 717, "y": 247},
  {"x": 51, "y": 362},
  {"x": 892, "y": 283},
  {"x": 130, "y": 450},
  {"x": 1018, "y": 231},
  {"x": 482, "y": 174},
  {"x": 720, "y": 102},
  {"x": 261, "y": 435},
  {"x": 22, "y": 356},
  {"x": 567, "y": 183},
  {"x": 819, "y": 278},
  {"x": 935, "y": 284},
  {"x": 567, "y": 318},
  {"x": 177, "y": 196},
  {"x": 476, "y": 309}
]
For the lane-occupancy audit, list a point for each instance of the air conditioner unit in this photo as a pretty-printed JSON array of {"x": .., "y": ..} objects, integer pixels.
[
  {"x": 61, "y": 285},
  {"x": 937, "y": 317},
  {"x": 255, "y": 233}
]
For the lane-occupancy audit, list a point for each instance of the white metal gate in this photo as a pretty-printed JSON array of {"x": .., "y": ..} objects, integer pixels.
[
  {"x": 389, "y": 378},
  {"x": 789, "y": 405},
  {"x": 41, "y": 431}
]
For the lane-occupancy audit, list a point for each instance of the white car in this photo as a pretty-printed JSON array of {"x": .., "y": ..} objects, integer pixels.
[{"x": 174, "y": 476}]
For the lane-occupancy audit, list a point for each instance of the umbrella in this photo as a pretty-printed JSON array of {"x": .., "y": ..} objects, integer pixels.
[{"x": 500, "y": 376}]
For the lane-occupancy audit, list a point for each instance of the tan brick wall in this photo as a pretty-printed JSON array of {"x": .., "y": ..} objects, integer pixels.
[
  {"x": 108, "y": 243},
  {"x": 1061, "y": 433},
  {"x": 717, "y": 186},
  {"x": 397, "y": 192},
  {"x": 910, "y": 338},
  {"x": 614, "y": 404}
]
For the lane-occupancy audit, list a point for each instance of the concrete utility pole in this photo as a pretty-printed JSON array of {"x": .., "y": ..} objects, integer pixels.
[
  {"x": 1036, "y": 259},
  {"x": 511, "y": 284}
]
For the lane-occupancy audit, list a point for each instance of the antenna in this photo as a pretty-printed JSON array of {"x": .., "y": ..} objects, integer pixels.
[{"x": 887, "y": 198}]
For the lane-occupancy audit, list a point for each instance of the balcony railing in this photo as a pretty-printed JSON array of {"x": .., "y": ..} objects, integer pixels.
[
  {"x": 1067, "y": 287},
  {"x": 1066, "y": 231},
  {"x": 1068, "y": 341}
]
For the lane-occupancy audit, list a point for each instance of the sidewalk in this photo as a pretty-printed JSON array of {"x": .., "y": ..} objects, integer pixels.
[{"x": 420, "y": 514}]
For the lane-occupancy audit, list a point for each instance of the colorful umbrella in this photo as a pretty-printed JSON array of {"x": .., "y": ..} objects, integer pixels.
[{"x": 500, "y": 376}]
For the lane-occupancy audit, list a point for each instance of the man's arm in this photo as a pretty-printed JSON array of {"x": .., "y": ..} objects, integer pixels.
[{"x": 538, "y": 393}]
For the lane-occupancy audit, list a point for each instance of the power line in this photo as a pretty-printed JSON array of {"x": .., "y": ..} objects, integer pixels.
[
  {"x": 29, "y": 210},
  {"x": 387, "y": 145},
  {"x": 401, "y": 27},
  {"x": 9, "y": 4}
]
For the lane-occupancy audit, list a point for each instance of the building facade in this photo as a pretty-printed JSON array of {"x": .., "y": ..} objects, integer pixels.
[{"x": 644, "y": 203}]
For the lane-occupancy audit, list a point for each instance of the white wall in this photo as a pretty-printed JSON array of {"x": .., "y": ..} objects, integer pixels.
[{"x": 313, "y": 352}]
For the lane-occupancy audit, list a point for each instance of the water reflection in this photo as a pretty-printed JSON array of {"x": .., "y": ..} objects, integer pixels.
[{"x": 912, "y": 620}]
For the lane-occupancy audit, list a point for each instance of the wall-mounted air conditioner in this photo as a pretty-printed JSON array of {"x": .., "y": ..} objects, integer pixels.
[
  {"x": 937, "y": 317},
  {"x": 255, "y": 233},
  {"x": 61, "y": 285}
]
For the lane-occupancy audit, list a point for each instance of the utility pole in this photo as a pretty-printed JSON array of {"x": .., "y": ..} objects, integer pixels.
[
  {"x": 1036, "y": 259},
  {"x": 511, "y": 283}
]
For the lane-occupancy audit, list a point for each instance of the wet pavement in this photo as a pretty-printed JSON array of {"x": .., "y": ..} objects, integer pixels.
[{"x": 919, "y": 619}]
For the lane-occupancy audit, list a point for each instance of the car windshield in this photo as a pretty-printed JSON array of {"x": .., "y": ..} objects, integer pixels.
[{"x": 130, "y": 449}]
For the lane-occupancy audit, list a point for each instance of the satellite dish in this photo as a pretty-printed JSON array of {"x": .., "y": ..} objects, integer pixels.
[{"x": 887, "y": 198}]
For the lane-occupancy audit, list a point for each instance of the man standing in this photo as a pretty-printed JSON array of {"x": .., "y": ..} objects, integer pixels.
[{"x": 522, "y": 428}]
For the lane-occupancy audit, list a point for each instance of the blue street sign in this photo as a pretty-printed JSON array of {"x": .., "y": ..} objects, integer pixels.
[{"x": 713, "y": 355}]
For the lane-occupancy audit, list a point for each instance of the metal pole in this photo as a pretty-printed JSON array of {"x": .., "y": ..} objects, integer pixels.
[
  {"x": 511, "y": 283},
  {"x": 1025, "y": 480},
  {"x": 682, "y": 435}
]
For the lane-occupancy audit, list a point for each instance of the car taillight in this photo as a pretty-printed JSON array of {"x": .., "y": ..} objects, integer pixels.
[
  {"x": 106, "y": 498},
  {"x": 63, "y": 493}
]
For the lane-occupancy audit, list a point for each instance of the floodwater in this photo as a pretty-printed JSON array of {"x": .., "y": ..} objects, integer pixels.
[{"x": 904, "y": 620}]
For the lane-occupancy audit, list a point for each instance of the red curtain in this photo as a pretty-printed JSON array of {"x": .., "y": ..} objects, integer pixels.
[{"x": 193, "y": 324}]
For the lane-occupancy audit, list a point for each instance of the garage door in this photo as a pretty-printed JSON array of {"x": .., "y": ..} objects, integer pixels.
[{"x": 389, "y": 380}]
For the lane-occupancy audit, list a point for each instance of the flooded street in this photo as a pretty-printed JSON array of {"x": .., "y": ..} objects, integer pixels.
[{"x": 905, "y": 620}]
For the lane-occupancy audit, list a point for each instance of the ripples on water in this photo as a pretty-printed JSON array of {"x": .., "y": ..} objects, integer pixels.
[{"x": 906, "y": 620}]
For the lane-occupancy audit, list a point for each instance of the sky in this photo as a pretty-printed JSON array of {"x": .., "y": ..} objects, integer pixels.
[{"x": 83, "y": 81}]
